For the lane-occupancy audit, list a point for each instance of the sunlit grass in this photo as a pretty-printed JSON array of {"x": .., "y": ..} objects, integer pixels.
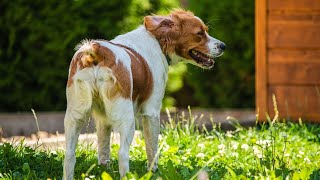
[{"x": 274, "y": 150}]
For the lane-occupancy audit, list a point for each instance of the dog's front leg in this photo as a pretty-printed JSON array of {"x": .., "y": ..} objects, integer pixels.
[{"x": 151, "y": 130}]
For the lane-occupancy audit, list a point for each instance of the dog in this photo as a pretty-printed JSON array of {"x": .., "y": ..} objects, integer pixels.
[{"x": 119, "y": 80}]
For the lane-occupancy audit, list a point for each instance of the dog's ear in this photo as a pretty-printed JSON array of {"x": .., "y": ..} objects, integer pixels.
[
  {"x": 154, "y": 22},
  {"x": 165, "y": 31}
]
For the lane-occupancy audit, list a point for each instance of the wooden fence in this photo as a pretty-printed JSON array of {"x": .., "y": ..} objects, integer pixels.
[{"x": 288, "y": 58}]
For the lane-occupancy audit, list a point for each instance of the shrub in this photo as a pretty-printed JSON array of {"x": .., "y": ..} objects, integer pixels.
[
  {"x": 37, "y": 41},
  {"x": 38, "y": 37},
  {"x": 231, "y": 82}
]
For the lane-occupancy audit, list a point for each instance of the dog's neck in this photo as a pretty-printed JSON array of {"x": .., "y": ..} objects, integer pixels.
[{"x": 143, "y": 41}]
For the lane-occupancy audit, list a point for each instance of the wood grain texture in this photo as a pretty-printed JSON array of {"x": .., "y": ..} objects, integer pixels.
[
  {"x": 294, "y": 73},
  {"x": 260, "y": 57},
  {"x": 290, "y": 66},
  {"x": 294, "y": 17},
  {"x": 302, "y": 5},
  {"x": 285, "y": 35},
  {"x": 293, "y": 56},
  {"x": 294, "y": 28},
  {"x": 296, "y": 101}
]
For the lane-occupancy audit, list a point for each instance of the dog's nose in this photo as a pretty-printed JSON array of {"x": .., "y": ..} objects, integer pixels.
[{"x": 222, "y": 46}]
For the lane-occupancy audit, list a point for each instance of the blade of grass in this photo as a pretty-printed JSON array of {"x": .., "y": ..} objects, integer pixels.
[{"x": 36, "y": 118}]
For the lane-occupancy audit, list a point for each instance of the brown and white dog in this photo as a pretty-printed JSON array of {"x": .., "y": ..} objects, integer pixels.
[{"x": 119, "y": 80}]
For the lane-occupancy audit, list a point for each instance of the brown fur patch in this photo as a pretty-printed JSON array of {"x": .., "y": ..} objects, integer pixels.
[
  {"x": 103, "y": 56},
  {"x": 179, "y": 32},
  {"x": 91, "y": 57},
  {"x": 106, "y": 58},
  {"x": 141, "y": 76},
  {"x": 73, "y": 68}
]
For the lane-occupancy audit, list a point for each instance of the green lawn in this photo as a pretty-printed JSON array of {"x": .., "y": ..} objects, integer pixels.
[{"x": 274, "y": 150}]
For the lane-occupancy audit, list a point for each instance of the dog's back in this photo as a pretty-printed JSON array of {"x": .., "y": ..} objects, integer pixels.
[{"x": 129, "y": 70}]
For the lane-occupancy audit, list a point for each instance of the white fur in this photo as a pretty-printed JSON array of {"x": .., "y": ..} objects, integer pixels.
[
  {"x": 88, "y": 95},
  {"x": 213, "y": 44},
  {"x": 148, "y": 47}
]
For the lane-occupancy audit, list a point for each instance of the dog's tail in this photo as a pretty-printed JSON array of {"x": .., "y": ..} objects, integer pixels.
[{"x": 90, "y": 52}]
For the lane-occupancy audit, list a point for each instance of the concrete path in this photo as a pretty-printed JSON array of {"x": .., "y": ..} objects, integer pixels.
[
  {"x": 46, "y": 141},
  {"x": 25, "y": 124},
  {"x": 15, "y": 127}
]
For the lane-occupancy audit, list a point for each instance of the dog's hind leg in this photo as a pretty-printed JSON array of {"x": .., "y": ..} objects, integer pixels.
[
  {"x": 79, "y": 101},
  {"x": 151, "y": 130},
  {"x": 103, "y": 134},
  {"x": 120, "y": 113}
]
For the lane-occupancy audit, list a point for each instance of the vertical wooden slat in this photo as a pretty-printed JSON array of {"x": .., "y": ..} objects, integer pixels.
[{"x": 260, "y": 57}]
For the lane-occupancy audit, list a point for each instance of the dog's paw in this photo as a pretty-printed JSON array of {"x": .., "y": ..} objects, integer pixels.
[
  {"x": 105, "y": 163},
  {"x": 154, "y": 168}
]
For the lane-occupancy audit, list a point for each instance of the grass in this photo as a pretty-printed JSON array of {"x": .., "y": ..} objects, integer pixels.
[{"x": 272, "y": 150}]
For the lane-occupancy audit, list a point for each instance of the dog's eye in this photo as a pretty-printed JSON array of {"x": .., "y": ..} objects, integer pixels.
[{"x": 200, "y": 33}]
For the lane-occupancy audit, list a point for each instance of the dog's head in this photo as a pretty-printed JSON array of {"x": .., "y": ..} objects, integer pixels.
[{"x": 185, "y": 35}]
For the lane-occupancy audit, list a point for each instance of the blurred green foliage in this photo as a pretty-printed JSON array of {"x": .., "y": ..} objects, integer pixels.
[
  {"x": 175, "y": 84},
  {"x": 230, "y": 84},
  {"x": 37, "y": 40}
]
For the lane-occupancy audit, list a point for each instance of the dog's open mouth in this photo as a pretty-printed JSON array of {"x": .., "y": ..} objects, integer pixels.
[{"x": 203, "y": 59}]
